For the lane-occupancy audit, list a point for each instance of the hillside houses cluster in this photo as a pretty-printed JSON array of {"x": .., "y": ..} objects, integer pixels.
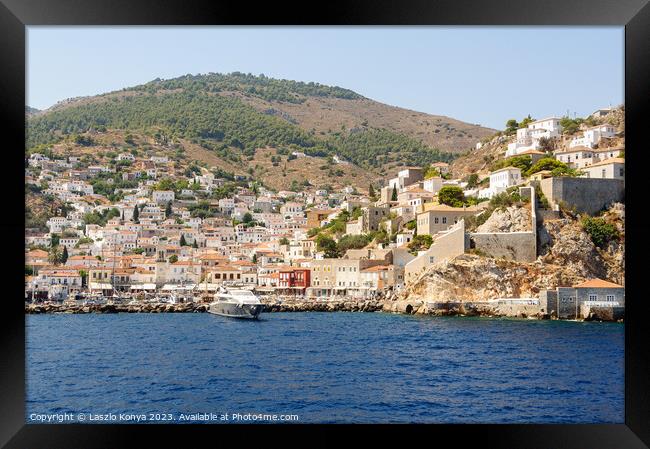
[{"x": 144, "y": 239}]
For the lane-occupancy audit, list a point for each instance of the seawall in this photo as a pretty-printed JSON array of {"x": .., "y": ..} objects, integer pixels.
[{"x": 272, "y": 305}]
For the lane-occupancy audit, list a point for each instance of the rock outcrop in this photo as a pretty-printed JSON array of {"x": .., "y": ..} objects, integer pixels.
[
  {"x": 509, "y": 219},
  {"x": 568, "y": 256}
]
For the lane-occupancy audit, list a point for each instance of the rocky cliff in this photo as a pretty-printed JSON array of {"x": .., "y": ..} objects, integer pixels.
[
  {"x": 509, "y": 219},
  {"x": 567, "y": 257}
]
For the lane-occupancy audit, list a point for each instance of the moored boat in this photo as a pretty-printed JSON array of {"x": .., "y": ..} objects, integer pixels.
[{"x": 236, "y": 303}]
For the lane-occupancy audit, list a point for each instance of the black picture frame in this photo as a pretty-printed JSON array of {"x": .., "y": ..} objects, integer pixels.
[{"x": 15, "y": 15}]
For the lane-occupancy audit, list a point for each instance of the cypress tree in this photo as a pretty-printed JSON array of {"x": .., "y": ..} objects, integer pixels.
[
  {"x": 136, "y": 214},
  {"x": 183, "y": 242},
  {"x": 64, "y": 256},
  {"x": 394, "y": 195}
]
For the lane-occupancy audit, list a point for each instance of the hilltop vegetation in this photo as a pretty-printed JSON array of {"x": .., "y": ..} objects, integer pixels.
[
  {"x": 233, "y": 116},
  {"x": 260, "y": 86}
]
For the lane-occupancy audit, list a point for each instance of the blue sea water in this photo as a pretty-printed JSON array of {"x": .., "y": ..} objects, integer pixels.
[{"x": 327, "y": 367}]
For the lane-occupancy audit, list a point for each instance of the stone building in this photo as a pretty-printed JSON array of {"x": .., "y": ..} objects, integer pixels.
[{"x": 577, "y": 301}]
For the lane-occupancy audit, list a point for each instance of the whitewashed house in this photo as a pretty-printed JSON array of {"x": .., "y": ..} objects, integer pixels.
[
  {"x": 529, "y": 138},
  {"x": 162, "y": 196},
  {"x": 500, "y": 180},
  {"x": 592, "y": 136}
]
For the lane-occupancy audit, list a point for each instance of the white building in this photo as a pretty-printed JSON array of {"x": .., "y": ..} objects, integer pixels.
[
  {"x": 432, "y": 185},
  {"x": 591, "y": 136},
  {"x": 528, "y": 138},
  {"x": 500, "y": 180},
  {"x": 162, "y": 196},
  {"x": 609, "y": 169}
]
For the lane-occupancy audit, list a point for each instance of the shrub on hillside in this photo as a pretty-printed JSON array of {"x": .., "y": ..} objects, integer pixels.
[
  {"x": 599, "y": 230},
  {"x": 420, "y": 243}
]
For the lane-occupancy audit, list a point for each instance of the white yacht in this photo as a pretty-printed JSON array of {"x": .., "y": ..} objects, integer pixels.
[{"x": 236, "y": 303}]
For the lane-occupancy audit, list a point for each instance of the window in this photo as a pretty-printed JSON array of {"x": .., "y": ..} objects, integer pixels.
[
  {"x": 435, "y": 220},
  {"x": 603, "y": 172},
  {"x": 444, "y": 220},
  {"x": 430, "y": 259},
  {"x": 593, "y": 298},
  {"x": 610, "y": 298}
]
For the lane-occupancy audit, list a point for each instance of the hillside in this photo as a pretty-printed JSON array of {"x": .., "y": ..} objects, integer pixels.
[
  {"x": 233, "y": 116},
  {"x": 567, "y": 256},
  {"x": 494, "y": 147}
]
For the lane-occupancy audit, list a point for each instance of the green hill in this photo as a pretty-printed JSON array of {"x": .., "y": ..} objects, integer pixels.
[{"x": 242, "y": 113}]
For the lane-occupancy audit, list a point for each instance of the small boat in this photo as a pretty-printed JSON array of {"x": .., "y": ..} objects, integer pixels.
[{"x": 236, "y": 303}]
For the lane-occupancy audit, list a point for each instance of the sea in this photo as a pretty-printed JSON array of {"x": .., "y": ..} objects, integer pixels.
[{"x": 316, "y": 367}]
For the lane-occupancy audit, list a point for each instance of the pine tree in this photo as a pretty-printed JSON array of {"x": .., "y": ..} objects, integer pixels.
[
  {"x": 394, "y": 195},
  {"x": 136, "y": 214},
  {"x": 64, "y": 256},
  {"x": 371, "y": 191},
  {"x": 254, "y": 258},
  {"x": 195, "y": 245},
  {"x": 183, "y": 242},
  {"x": 168, "y": 209}
]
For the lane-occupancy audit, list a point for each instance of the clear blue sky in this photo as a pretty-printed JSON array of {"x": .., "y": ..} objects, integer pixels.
[{"x": 482, "y": 75}]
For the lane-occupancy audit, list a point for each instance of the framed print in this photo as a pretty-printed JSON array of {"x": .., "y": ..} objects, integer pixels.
[{"x": 379, "y": 218}]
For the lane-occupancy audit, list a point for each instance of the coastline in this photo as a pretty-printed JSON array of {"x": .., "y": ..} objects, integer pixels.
[{"x": 338, "y": 305}]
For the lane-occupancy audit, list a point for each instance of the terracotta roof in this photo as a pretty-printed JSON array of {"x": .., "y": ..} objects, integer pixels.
[
  {"x": 510, "y": 167},
  {"x": 376, "y": 268},
  {"x": 531, "y": 152},
  {"x": 444, "y": 207},
  {"x": 579, "y": 148},
  {"x": 612, "y": 160},
  {"x": 597, "y": 283}
]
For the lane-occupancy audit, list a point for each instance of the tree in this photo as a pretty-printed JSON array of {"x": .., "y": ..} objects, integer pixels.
[
  {"x": 84, "y": 277},
  {"x": 569, "y": 125},
  {"x": 255, "y": 258},
  {"x": 247, "y": 218},
  {"x": 54, "y": 256},
  {"x": 472, "y": 181},
  {"x": 371, "y": 191},
  {"x": 546, "y": 163},
  {"x": 168, "y": 209},
  {"x": 284, "y": 241},
  {"x": 352, "y": 242},
  {"x": 194, "y": 244},
  {"x": 524, "y": 123},
  {"x": 327, "y": 245},
  {"x": 64, "y": 255},
  {"x": 182, "y": 241},
  {"x": 511, "y": 126},
  {"x": 432, "y": 172},
  {"x": 173, "y": 258},
  {"x": 393, "y": 196},
  {"x": 452, "y": 196},
  {"x": 54, "y": 240},
  {"x": 420, "y": 243},
  {"x": 136, "y": 214}
]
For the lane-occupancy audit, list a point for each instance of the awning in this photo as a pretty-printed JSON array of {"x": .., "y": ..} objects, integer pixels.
[
  {"x": 144, "y": 287},
  {"x": 207, "y": 286},
  {"x": 100, "y": 286}
]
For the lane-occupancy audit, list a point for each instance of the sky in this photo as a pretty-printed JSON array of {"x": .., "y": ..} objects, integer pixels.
[{"x": 481, "y": 75}]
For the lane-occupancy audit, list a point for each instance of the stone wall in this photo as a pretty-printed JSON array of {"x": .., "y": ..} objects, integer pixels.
[
  {"x": 444, "y": 247},
  {"x": 586, "y": 195}
]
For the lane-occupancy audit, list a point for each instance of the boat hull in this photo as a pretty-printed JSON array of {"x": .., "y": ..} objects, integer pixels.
[{"x": 246, "y": 311}]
